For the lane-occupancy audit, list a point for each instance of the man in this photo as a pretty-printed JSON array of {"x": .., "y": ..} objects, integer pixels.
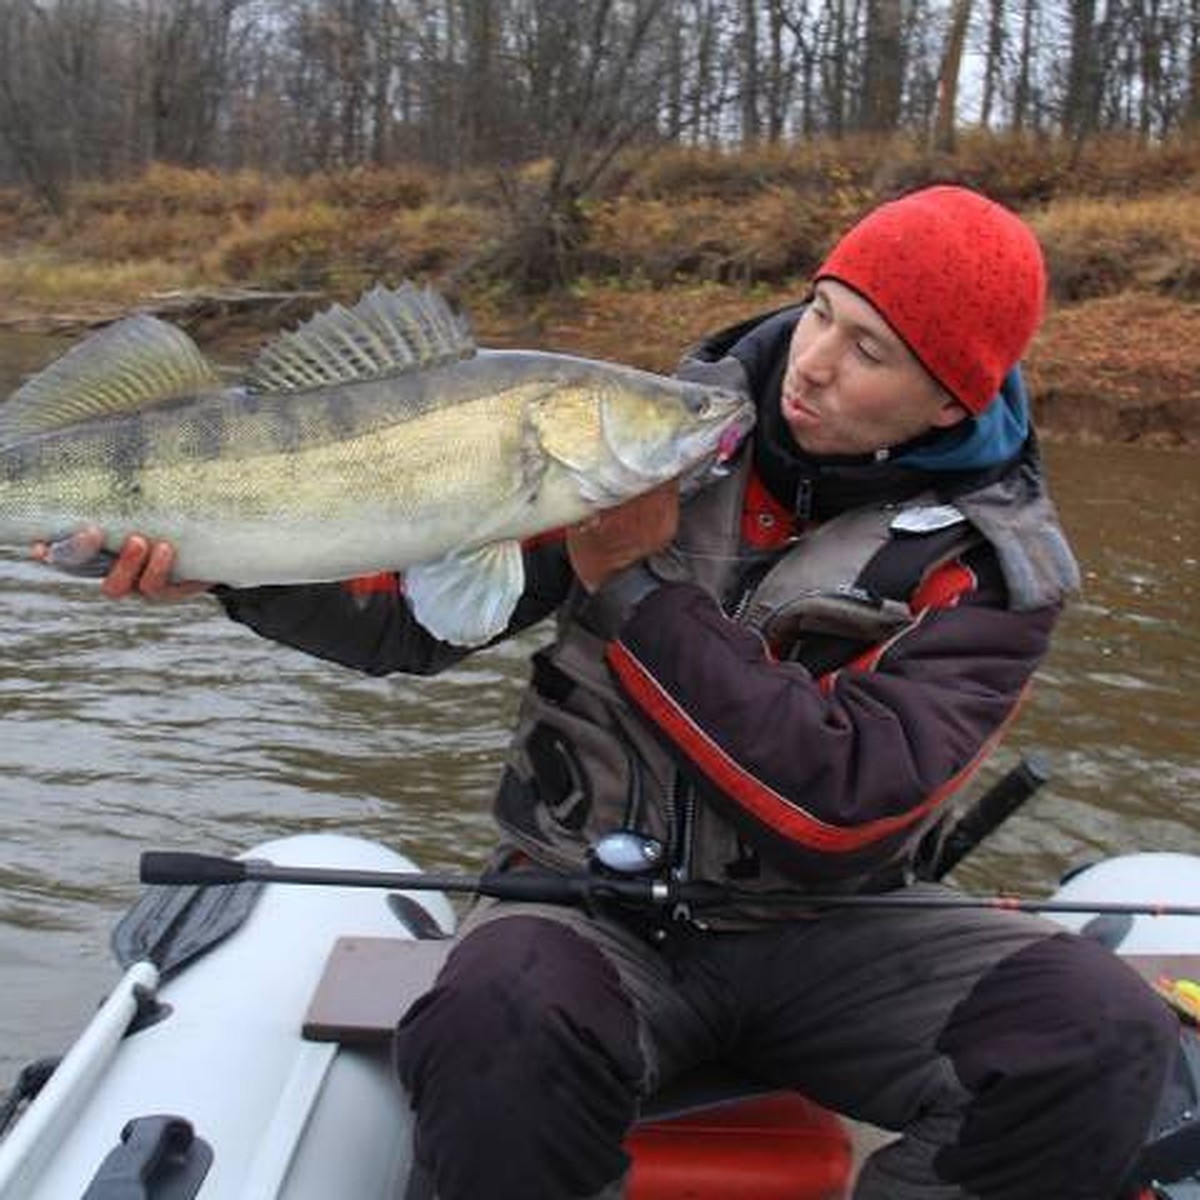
[{"x": 780, "y": 683}]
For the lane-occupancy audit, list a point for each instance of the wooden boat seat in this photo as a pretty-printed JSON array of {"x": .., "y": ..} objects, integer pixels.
[{"x": 370, "y": 982}]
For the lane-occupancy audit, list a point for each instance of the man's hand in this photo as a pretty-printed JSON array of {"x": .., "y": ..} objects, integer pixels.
[
  {"x": 142, "y": 567},
  {"x": 619, "y": 537}
]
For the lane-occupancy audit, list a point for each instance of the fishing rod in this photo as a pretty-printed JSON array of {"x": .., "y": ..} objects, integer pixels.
[{"x": 583, "y": 888}]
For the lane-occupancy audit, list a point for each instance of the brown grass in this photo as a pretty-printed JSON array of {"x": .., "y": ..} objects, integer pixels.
[
  {"x": 1122, "y": 369},
  {"x": 680, "y": 242},
  {"x": 1105, "y": 246}
]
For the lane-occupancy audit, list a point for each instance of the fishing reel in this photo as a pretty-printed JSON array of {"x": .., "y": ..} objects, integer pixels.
[{"x": 625, "y": 854}]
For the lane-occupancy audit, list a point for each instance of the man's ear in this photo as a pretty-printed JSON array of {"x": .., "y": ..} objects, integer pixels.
[{"x": 950, "y": 413}]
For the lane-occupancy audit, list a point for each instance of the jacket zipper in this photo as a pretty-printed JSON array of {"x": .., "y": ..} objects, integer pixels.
[{"x": 681, "y": 808}]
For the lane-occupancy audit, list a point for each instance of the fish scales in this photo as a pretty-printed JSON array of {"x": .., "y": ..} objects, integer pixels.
[{"x": 438, "y": 466}]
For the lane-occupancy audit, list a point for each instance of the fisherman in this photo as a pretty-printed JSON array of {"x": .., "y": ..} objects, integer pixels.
[{"x": 780, "y": 683}]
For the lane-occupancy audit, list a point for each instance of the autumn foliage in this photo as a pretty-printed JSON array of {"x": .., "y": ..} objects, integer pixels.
[{"x": 674, "y": 243}]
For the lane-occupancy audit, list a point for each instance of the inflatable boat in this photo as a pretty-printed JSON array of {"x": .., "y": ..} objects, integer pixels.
[{"x": 244, "y": 1052}]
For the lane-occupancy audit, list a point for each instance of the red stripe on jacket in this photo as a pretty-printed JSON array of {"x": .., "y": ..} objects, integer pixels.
[
  {"x": 387, "y": 582},
  {"x": 758, "y": 799},
  {"x": 943, "y": 587}
]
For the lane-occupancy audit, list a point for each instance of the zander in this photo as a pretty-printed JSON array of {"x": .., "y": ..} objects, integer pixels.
[{"x": 369, "y": 439}]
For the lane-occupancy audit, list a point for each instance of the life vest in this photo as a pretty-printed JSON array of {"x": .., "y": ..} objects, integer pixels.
[{"x": 584, "y": 763}]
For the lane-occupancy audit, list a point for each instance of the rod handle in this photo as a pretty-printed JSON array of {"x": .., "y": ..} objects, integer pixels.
[{"x": 178, "y": 867}]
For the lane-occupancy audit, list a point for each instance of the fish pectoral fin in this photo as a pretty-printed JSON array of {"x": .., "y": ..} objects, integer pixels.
[
  {"x": 134, "y": 364},
  {"x": 468, "y": 598}
]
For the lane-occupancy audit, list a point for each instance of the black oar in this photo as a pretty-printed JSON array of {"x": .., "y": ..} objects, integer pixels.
[
  {"x": 171, "y": 926},
  {"x": 166, "y": 867}
]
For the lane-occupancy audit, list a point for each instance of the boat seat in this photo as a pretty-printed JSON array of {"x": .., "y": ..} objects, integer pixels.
[{"x": 369, "y": 983}]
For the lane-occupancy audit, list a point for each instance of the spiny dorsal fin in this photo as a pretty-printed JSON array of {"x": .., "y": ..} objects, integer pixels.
[
  {"x": 385, "y": 333},
  {"x": 136, "y": 363}
]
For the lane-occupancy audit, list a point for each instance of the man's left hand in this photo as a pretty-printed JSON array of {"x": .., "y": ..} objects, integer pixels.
[{"x": 619, "y": 537}]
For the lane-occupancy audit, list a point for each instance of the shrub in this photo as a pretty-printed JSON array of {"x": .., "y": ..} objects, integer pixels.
[
  {"x": 285, "y": 248},
  {"x": 1102, "y": 247}
]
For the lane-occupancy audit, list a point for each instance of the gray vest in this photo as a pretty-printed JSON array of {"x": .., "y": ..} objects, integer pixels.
[{"x": 583, "y": 762}]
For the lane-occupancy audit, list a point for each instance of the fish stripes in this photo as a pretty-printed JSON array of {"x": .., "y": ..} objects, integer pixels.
[{"x": 370, "y": 439}]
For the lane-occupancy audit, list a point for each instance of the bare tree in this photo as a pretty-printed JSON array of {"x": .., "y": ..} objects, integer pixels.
[
  {"x": 993, "y": 62},
  {"x": 1022, "y": 104},
  {"x": 947, "y": 100},
  {"x": 1082, "y": 68},
  {"x": 1192, "y": 111},
  {"x": 883, "y": 74},
  {"x": 180, "y": 60},
  {"x": 749, "y": 46}
]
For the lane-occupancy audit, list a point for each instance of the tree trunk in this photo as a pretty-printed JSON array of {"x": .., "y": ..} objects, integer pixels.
[
  {"x": 947, "y": 94},
  {"x": 994, "y": 65},
  {"x": 751, "y": 121},
  {"x": 883, "y": 75},
  {"x": 1192, "y": 115},
  {"x": 1081, "y": 67}
]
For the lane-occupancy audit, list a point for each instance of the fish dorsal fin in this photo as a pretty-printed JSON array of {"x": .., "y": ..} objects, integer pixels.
[
  {"x": 136, "y": 363},
  {"x": 385, "y": 333}
]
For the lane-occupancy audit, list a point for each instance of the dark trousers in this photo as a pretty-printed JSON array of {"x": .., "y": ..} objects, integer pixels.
[{"x": 1016, "y": 1061}]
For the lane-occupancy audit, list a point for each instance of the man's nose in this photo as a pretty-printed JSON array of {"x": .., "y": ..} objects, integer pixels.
[{"x": 816, "y": 358}]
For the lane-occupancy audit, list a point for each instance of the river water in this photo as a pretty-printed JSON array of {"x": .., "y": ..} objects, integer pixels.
[{"x": 125, "y": 727}]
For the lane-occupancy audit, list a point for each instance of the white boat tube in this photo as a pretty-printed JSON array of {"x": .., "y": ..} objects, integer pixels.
[{"x": 27, "y": 1149}]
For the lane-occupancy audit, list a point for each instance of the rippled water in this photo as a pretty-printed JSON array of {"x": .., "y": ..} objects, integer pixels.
[{"x": 125, "y": 727}]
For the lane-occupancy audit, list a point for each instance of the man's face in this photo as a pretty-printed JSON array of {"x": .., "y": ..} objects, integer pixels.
[{"x": 852, "y": 386}]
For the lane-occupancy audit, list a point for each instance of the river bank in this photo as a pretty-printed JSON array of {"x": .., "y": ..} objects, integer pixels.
[
  {"x": 675, "y": 245},
  {"x": 1119, "y": 370}
]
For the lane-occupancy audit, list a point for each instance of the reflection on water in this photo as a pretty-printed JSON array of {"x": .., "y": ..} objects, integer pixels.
[{"x": 124, "y": 727}]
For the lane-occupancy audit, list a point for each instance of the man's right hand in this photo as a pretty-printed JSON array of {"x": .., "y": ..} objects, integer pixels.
[{"x": 142, "y": 567}]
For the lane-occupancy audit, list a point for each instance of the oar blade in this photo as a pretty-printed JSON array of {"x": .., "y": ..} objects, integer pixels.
[{"x": 172, "y": 925}]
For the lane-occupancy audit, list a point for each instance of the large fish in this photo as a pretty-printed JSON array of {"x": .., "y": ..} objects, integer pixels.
[{"x": 373, "y": 438}]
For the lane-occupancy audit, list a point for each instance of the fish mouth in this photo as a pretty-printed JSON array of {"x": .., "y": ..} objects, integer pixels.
[
  {"x": 730, "y": 442},
  {"x": 714, "y": 464},
  {"x": 733, "y": 436}
]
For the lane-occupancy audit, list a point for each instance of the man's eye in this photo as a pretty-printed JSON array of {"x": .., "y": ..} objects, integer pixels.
[{"x": 867, "y": 350}]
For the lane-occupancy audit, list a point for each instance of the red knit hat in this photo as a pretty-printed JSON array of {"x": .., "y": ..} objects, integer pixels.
[{"x": 959, "y": 277}]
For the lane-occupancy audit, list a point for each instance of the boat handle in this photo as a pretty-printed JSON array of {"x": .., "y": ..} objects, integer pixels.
[{"x": 155, "y": 1153}]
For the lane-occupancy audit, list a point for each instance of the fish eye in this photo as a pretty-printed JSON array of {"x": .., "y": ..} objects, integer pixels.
[{"x": 696, "y": 402}]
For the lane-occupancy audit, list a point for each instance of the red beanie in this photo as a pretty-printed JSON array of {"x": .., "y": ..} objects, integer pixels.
[{"x": 959, "y": 277}]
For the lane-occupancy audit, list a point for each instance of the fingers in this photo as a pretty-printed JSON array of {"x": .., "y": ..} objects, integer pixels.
[
  {"x": 126, "y": 575},
  {"x": 143, "y": 567}
]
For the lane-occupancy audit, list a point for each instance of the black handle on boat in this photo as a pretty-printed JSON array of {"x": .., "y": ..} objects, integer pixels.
[{"x": 164, "y": 867}]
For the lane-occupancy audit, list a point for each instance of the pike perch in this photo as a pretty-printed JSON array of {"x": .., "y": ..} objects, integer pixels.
[{"x": 369, "y": 439}]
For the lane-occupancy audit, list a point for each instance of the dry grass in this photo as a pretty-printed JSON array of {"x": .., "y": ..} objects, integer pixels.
[
  {"x": 765, "y": 215},
  {"x": 1126, "y": 368},
  {"x": 1106, "y": 246},
  {"x": 39, "y": 280},
  {"x": 681, "y": 242},
  {"x": 641, "y": 326}
]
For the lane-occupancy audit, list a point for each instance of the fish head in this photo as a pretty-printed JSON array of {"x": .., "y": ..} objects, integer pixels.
[
  {"x": 670, "y": 427},
  {"x": 619, "y": 432}
]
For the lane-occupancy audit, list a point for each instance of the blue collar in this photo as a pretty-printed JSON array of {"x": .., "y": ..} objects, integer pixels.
[{"x": 992, "y": 438}]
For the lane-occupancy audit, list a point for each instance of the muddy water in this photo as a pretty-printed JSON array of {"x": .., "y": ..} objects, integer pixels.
[{"x": 124, "y": 727}]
